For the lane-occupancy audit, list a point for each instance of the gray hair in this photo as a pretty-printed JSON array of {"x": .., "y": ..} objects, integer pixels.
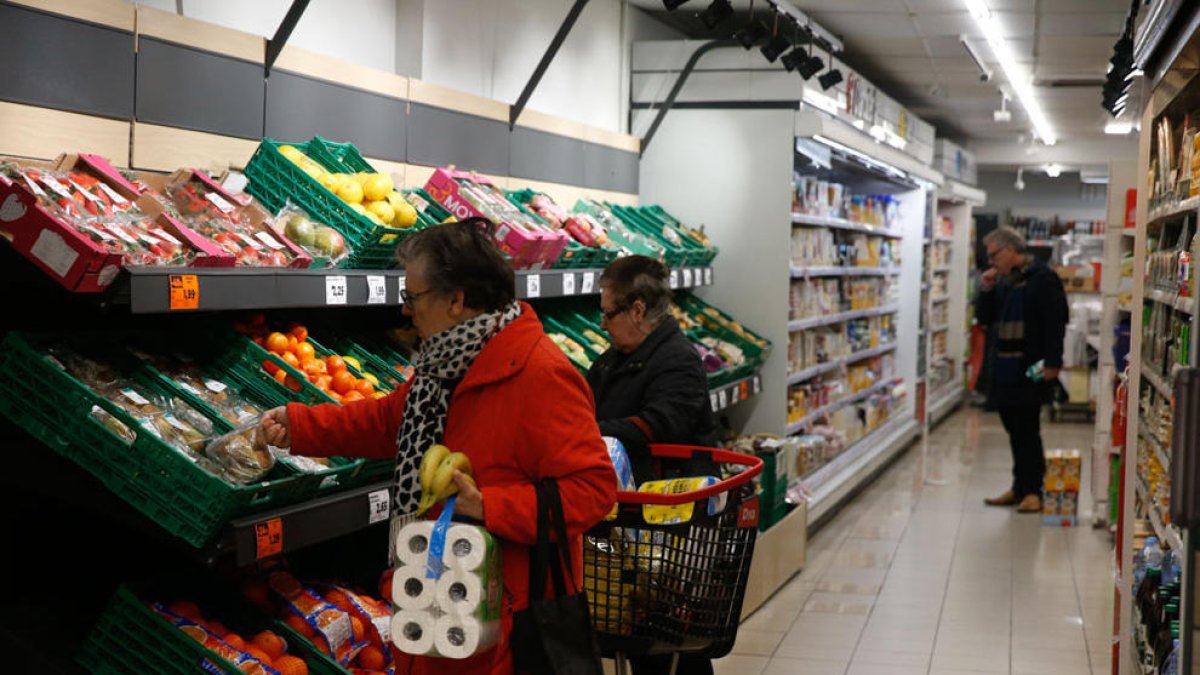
[
  {"x": 1005, "y": 236},
  {"x": 637, "y": 277}
]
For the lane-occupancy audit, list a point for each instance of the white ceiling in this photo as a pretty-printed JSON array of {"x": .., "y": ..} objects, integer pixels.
[{"x": 911, "y": 50}]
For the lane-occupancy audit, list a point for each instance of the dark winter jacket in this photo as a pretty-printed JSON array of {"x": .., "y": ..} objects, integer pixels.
[
  {"x": 657, "y": 394},
  {"x": 1045, "y": 321}
]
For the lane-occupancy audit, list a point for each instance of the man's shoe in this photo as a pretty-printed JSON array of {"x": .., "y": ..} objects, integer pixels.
[
  {"x": 1006, "y": 499},
  {"x": 1030, "y": 504}
]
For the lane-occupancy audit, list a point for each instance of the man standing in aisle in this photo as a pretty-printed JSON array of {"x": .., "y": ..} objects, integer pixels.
[{"x": 1023, "y": 304}]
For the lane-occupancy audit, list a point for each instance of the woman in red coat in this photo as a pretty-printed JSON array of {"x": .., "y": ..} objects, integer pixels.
[{"x": 490, "y": 384}]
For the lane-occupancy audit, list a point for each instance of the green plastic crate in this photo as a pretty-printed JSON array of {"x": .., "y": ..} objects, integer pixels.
[
  {"x": 130, "y": 637},
  {"x": 274, "y": 180},
  {"x": 152, "y": 476},
  {"x": 552, "y": 324},
  {"x": 622, "y": 237},
  {"x": 702, "y": 310},
  {"x": 576, "y": 255},
  {"x": 698, "y": 254},
  {"x": 387, "y": 375}
]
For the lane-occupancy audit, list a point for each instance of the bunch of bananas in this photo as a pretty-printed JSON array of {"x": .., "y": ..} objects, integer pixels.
[{"x": 437, "y": 475}]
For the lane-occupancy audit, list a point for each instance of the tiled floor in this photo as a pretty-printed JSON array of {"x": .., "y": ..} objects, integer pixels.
[{"x": 918, "y": 576}]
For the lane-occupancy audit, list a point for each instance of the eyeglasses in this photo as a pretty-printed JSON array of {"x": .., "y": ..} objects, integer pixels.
[
  {"x": 612, "y": 314},
  {"x": 992, "y": 254},
  {"x": 407, "y": 298}
]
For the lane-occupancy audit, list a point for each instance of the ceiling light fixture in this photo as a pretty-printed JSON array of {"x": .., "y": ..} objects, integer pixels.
[
  {"x": 1019, "y": 185},
  {"x": 830, "y": 79},
  {"x": 1054, "y": 170},
  {"x": 1017, "y": 77},
  {"x": 1118, "y": 128},
  {"x": 752, "y": 33},
  {"x": 776, "y": 45},
  {"x": 717, "y": 12}
]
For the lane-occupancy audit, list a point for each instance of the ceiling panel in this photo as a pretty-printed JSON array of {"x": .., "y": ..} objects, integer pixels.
[
  {"x": 861, "y": 26},
  {"x": 1096, "y": 23},
  {"x": 912, "y": 46},
  {"x": 835, "y": 6}
]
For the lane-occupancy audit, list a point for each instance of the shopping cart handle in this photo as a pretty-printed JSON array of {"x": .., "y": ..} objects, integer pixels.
[{"x": 754, "y": 467}]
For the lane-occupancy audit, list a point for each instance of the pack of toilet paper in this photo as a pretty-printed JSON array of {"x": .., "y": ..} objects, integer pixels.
[{"x": 448, "y": 608}]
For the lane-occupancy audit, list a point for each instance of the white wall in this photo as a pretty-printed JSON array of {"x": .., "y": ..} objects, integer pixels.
[
  {"x": 1043, "y": 197},
  {"x": 491, "y": 48},
  {"x": 361, "y": 31},
  {"x": 737, "y": 183}
]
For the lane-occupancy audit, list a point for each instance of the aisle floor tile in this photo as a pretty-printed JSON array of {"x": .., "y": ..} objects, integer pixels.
[{"x": 922, "y": 578}]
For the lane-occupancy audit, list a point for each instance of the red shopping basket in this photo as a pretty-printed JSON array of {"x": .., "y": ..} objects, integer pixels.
[{"x": 657, "y": 588}]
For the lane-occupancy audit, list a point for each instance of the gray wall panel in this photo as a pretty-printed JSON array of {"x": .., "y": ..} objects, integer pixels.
[
  {"x": 437, "y": 137},
  {"x": 58, "y": 62},
  {"x": 538, "y": 155},
  {"x": 300, "y": 107},
  {"x": 179, "y": 86},
  {"x": 607, "y": 168}
]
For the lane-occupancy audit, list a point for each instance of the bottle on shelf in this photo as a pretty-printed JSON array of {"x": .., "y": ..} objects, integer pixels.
[{"x": 1171, "y": 665}]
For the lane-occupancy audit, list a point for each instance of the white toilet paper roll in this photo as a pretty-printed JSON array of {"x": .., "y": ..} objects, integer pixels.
[
  {"x": 414, "y": 632},
  {"x": 458, "y": 637},
  {"x": 468, "y": 547},
  {"x": 412, "y": 543},
  {"x": 410, "y": 588},
  {"x": 459, "y": 592}
]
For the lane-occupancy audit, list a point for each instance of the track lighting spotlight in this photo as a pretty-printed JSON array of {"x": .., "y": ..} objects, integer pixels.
[
  {"x": 774, "y": 47},
  {"x": 830, "y": 79},
  {"x": 717, "y": 12},
  {"x": 753, "y": 33}
]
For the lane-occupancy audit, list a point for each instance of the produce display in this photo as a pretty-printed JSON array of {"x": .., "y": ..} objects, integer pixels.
[
  {"x": 372, "y": 195},
  {"x": 436, "y": 475},
  {"x": 262, "y": 654},
  {"x": 319, "y": 241}
]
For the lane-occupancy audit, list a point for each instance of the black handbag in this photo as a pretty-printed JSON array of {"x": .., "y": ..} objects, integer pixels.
[{"x": 554, "y": 636}]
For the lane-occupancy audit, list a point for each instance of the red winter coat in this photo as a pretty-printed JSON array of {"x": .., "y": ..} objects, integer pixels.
[{"x": 521, "y": 413}]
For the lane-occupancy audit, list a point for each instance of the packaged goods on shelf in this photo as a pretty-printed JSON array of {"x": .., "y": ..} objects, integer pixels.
[
  {"x": 1166, "y": 337},
  {"x": 940, "y": 313},
  {"x": 1060, "y": 489},
  {"x": 629, "y": 241},
  {"x": 828, "y": 199},
  {"x": 591, "y": 245},
  {"x": 819, "y": 296},
  {"x": 943, "y": 227},
  {"x": 941, "y": 284},
  {"x": 807, "y": 397},
  {"x": 815, "y": 247},
  {"x": 780, "y": 464},
  {"x": 940, "y": 253}
]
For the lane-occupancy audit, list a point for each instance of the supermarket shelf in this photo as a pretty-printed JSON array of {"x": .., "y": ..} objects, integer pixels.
[
  {"x": 941, "y": 268},
  {"x": 842, "y": 224},
  {"x": 148, "y": 290},
  {"x": 1170, "y": 211},
  {"x": 805, "y": 272},
  {"x": 308, "y": 523},
  {"x": 830, "y": 319},
  {"x": 1125, "y": 308},
  {"x": 944, "y": 298},
  {"x": 798, "y": 425},
  {"x": 1166, "y": 533},
  {"x": 942, "y": 237},
  {"x": 1150, "y": 372},
  {"x": 944, "y": 400},
  {"x": 1160, "y": 452},
  {"x": 1094, "y": 342},
  {"x": 1129, "y": 232},
  {"x": 846, "y": 472},
  {"x": 1181, "y": 303},
  {"x": 1040, "y": 243},
  {"x": 821, "y": 369},
  {"x": 939, "y": 328},
  {"x": 728, "y": 395}
]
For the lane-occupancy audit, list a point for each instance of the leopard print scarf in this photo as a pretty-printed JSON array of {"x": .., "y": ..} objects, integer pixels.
[{"x": 440, "y": 364}]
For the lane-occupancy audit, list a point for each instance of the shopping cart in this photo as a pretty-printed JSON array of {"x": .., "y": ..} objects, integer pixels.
[{"x": 659, "y": 588}]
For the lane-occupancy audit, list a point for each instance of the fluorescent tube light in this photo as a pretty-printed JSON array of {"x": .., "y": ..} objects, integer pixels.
[{"x": 1017, "y": 77}]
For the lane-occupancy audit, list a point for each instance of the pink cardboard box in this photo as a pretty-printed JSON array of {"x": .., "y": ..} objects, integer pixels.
[{"x": 528, "y": 248}]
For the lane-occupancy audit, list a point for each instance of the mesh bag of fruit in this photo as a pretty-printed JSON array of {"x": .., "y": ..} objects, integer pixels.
[{"x": 326, "y": 245}]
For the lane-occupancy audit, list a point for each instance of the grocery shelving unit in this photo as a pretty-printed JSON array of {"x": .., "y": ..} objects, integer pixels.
[
  {"x": 947, "y": 257},
  {"x": 1167, "y": 215}
]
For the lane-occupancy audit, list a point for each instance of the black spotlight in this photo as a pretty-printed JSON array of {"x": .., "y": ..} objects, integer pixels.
[
  {"x": 717, "y": 12},
  {"x": 811, "y": 66},
  {"x": 752, "y": 34},
  {"x": 830, "y": 78},
  {"x": 775, "y": 46},
  {"x": 673, "y": 5},
  {"x": 794, "y": 59}
]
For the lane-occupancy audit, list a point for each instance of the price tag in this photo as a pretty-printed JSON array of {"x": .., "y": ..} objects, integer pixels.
[
  {"x": 712, "y": 400},
  {"x": 568, "y": 283},
  {"x": 589, "y": 282},
  {"x": 268, "y": 538},
  {"x": 189, "y": 387},
  {"x": 270, "y": 241},
  {"x": 743, "y": 391},
  {"x": 251, "y": 241},
  {"x": 163, "y": 234},
  {"x": 135, "y": 397},
  {"x": 335, "y": 290},
  {"x": 174, "y": 421},
  {"x": 86, "y": 194},
  {"x": 220, "y": 202},
  {"x": 376, "y": 290},
  {"x": 121, "y": 233},
  {"x": 214, "y": 386},
  {"x": 708, "y": 276},
  {"x": 117, "y": 197},
  {"x": 185, "y": 291},
  {"x": 533, "y": 286},
  {"x": 674, "y": 278},
  {"x": 723, "y": 398},
  {"x": 687, "y": 277},
  {"x": 52, "y": 183},
  {"x": 757, "y": 384},
  {"x": 380, "y": 505},
  {"x": 33, "y": 186},
  {"x": 401, "y": 284}
]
